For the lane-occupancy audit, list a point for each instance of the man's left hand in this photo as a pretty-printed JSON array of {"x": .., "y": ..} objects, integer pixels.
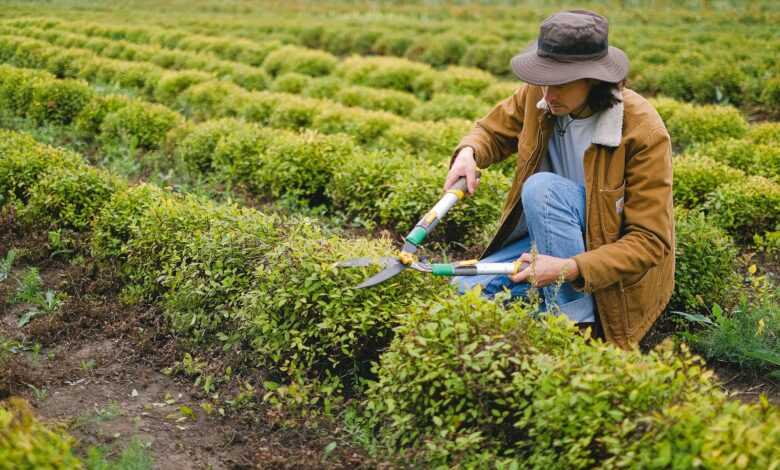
[{"x": 546, "y": 270}]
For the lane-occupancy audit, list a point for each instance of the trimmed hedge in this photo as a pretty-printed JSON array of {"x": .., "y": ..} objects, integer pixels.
[
  {"x": 696, "y": 176},
  {"x": 746, "y": 207},
  {"x": 467, "y": 383}
]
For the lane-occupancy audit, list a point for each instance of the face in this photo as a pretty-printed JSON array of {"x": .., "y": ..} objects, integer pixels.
[{"x": 566, "y": 98}]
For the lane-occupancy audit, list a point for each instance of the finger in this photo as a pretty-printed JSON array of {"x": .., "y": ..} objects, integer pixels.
[
  {"x": 452, "y": 177},
  {"x": 522, "y": 276},
  {"x": 526, "y": 257},
  {"x": 476, "y": 182},
  {"x": 470, "y": 179}
]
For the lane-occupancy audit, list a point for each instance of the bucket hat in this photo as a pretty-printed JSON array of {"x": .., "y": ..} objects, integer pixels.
[{"x": 571, "y": 45}]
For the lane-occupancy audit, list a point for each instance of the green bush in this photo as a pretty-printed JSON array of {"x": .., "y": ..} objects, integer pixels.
[
  {"x": 437, "y": 51},
  {"x": 16, "y": 88},
  {"x": 754, "y": 159},
  {"x": 689, "y": 124},
  {"x": 300, "y": 167},
  {"x": 696, "y": 176},
  {"x": 24, "y": 161},
  {"x": 172, "y": 84},
  {"x": 298, "y": 59},
  {"x": 705, "y": 264},
  {"x": 446, "y": 106},
  {"x": 291, "y": 82},
  {"x": 387, "y": 72},
  {"x": 746, "y": 207},
  {"x": 196, "y": 148},
  {"x": 719, "y": 83},
  {"x": 396, "y": 102},
  {"x": 462, "y": 81},
  {"x": 470, "y": 384},
  {"x": 767, "y": 133},
  {"x": 432, "y": 139},
  {"x": 210, "y": 99},
  {"x": 392, "y": 44},
  {"x": 139, "y": 124},
  {"x": 365, "y": 126},
  {"x": 323, "y": 87},
  {"x": 499, "y": 91},
  {"x": 90, "y": 118},
  {"x": 25, "y": 443},
  {"x": 770, "y": 96},
  {"x": 58, "y": 101},
  {"x": 415, "y": 189},
  {"x": 294, "y": 112},
  {"x": 69, "y": 197},
  {"x": 116, "y": 221},
  {"x": 237, "y": 155},
  {"x": 305, "y": 317}
]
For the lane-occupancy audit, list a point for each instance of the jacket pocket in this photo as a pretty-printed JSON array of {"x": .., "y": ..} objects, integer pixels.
[
  {"x": 640, "y": 297},
  {"x": 612, "y": 210}
]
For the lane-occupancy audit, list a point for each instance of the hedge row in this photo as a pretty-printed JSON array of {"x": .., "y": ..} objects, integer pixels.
[
  {"x": 389, "y": 188},
  {"x": 468, "y": 384},
  {"x": 464, "y": 381},
  {"x": 394, "y": 78},
  {"x": 688, "y": 124}
]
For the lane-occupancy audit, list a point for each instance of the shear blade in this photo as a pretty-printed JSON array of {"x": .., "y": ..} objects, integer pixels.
[
  {"x": 363, "y": 262},
  {"x": 383, "y": 275}
]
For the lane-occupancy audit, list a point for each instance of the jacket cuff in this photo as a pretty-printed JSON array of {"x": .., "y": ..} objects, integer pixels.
[{"x": 581, "y": 284}]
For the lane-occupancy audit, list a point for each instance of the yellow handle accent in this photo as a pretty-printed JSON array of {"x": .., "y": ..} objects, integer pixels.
[
  {"x": 406, "y": 258},
  {"x": 430, "y": 217},
  {"x": 467, "y": 262},
  {"x": 457, "y": 192},
  {"x": 518, "y": 266}
]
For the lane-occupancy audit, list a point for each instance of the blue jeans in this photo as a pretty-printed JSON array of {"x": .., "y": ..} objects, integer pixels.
[{"x": 554, "y": 209}]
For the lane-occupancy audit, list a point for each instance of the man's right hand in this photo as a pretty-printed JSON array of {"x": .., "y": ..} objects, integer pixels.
[{"x": 464, "y": 165}]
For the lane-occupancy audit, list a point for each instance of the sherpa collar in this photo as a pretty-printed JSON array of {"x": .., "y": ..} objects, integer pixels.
[{"x": 609, "y": 126}]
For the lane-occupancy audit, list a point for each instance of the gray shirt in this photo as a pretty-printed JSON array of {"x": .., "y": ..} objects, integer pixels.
[{"x": 567, "y": 151}]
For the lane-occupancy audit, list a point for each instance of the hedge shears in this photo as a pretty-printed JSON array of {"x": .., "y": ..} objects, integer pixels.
[{"x": 407, "y": 258}]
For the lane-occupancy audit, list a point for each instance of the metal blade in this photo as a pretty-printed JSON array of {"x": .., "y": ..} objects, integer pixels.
[
  {"x": 367, "y": 261},
  {"x": 385, "y": 274},
  {"x": 409, "y": 248}
]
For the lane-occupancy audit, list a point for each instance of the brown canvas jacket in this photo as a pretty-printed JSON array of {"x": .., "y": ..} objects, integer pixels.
[{"x": 628, "y": 265}]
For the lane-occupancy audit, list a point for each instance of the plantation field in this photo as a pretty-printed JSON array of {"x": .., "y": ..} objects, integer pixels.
[{"x": 178, "y": 180}]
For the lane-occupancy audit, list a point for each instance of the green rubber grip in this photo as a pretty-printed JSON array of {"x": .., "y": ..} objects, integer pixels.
[
  {"x": 443, "y": 269},
  {"x": 416, "y": 236}
]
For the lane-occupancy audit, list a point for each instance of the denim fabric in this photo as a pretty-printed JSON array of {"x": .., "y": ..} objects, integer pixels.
[{"x": 554, "y": 209}]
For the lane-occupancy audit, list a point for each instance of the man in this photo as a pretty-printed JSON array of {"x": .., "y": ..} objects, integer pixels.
[{"x": 593, "y": 185}]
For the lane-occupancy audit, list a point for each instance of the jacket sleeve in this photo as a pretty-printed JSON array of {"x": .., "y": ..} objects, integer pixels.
[
  {"x": 648, "y": 215},
  {"x": 494, "y": 137}
]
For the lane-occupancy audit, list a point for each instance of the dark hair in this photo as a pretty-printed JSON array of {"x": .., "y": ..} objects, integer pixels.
[{"x": 601, "y": 95}]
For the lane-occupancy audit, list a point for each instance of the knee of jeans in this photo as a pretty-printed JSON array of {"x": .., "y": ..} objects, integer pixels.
[
  {"x": 535, "y": 188},
  {"x": 461, "y": 284}
]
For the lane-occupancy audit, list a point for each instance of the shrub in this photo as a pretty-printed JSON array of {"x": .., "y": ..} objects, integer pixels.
[
  {"x": 754, "y": 159},
  {"x": 719, "y": 83},
  {"x": 705, "y": 264},
  {"x": 746, "y": 207},
  {"x": 462, "y": 81},
  {"x": 365, "y": 126},
  {"x": 301, "y": 166},
  {"x": 770, "y": 96},
  {"x": 291, "y": 82},
  {"x": 196, "y": 148},
  {"x": 767, "y": 133},
  {"x": 294, "y": 112},
  {"x": 298, "y": 59},
  {"x": 237, "y": 155},
  {"x": 16, "y": 88},
  {"x": 24, "y": 161},
  {"x": 396, "y": 102},
  {"x": 498, "y": 92},
  {"x": 445, "y": 106},
  {"x": 90, "y": 118},
  {"x": 69, "y": 197},
  {"x": 25, "y": 443},
  {"x": 306, "y": 318},
  {"x": 58, "y": 101},
  {"x": 438, "y": 51},
  {"x": 172, "y": 84},
  {"x": 690, "y": 124},
  {"x": 139, "y": 124},
  {"x": 211, "y": 99},
  {"x": 323, "y": 87},
  {"x": 431, "y": 139},
  {"x": 386, "y": 72},
  {"x": 393, "y": 44},
  {"x": 116, "y": 221},
  {"x": 695, "y": 176},
  {"x": 413, "y": 191}
]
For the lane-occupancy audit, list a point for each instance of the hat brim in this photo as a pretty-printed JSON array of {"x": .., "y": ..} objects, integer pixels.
[{"x": 536, "y": 70}]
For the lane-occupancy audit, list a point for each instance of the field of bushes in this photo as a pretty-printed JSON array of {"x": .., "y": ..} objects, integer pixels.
[{"x": 210, "y": 163}]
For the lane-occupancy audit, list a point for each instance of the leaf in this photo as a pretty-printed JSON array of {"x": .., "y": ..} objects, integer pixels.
[
  {"x": 27, "y": 317},
  {"x": 764, "y": 355},
  {"x": 694, "y": 317}
]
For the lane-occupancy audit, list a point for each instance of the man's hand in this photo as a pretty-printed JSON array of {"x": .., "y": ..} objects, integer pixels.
[
  {"x": 546, "y": 270},
  {"x": 464, "y": 165}
]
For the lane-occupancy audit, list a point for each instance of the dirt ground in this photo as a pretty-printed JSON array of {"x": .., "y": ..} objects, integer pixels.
[{"x": 97, "y": 372}]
